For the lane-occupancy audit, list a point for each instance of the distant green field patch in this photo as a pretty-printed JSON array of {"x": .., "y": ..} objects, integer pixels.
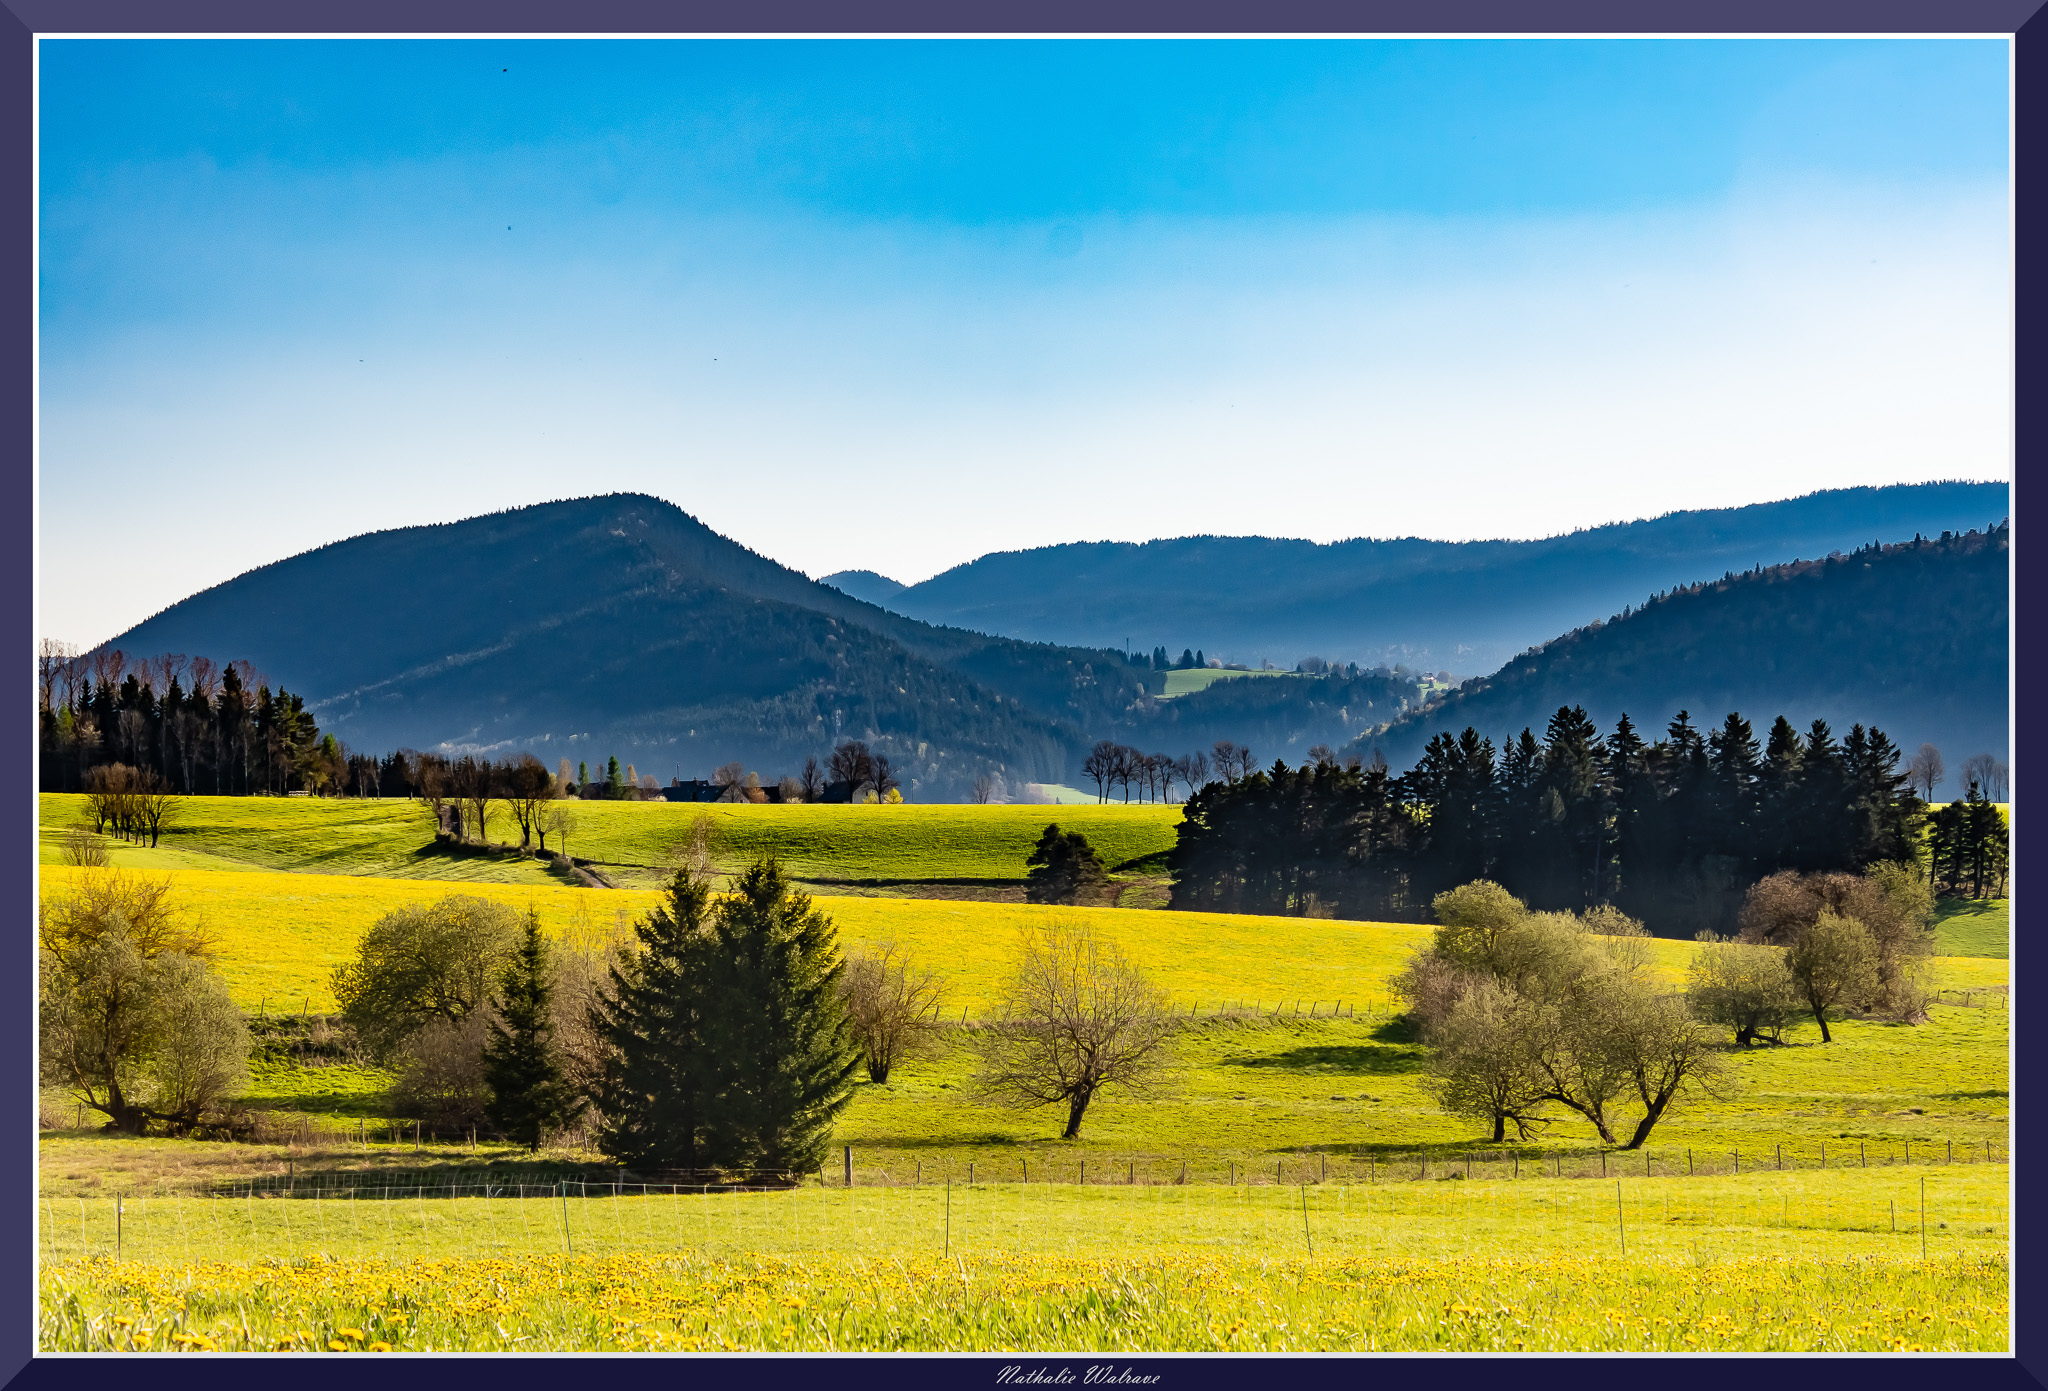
[
  {"x": 1973, "y": 927},
  {"x": 1202, "y": 678}
]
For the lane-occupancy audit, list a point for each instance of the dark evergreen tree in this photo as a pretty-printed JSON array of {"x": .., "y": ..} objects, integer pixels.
[
  {"x": 652, "y": 1015},
  {"x": 529, "y": 1096},
  {"x": 781, "y": 1055},
  {"x": 1063, "y": 868}
]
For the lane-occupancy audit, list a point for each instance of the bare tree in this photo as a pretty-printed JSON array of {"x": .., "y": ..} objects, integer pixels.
[
  {"x": 812, "y": 779},
  {"x": 985, "y": 789},
  {"x": 152, "y": 804},
  {"x": 730, "y": 779},
  {"x": 1100, "y": 765},
  {"x": 53, "y": 664},
  {"x": 1924, "y": 772},
  {"x": 884, "y": 776},
  {"x": 527, "y": 789},
  {"x": 564, "y": 775},
  {"x": 853, "y": 764},
  {"x": 891, "y": 1005},
  {"x": 1077, "y": 1017},
  {"x": 474, "y": 783},
  {"x": 431, "y": 778},
  {"x": 1226, "y": 758},
  {"x": 558, "y": 819},
  {"x": 1988, "y": 773},
  {"x": 790, "y": 790}
]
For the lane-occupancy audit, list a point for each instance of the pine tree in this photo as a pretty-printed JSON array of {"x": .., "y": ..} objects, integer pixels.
[
  {"x": 529, "y": 1095},
  {"x": 652, "y": 1016},
  {"x": 779, "y": 1049},
  {"x": 1063, "y": 868}
]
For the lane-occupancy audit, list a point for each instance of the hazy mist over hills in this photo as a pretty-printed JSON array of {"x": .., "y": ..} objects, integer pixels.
[{"x": 1463, "y": 607}]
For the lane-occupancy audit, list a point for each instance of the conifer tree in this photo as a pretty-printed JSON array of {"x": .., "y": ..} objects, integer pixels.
[
  {"x": 1063, "y": 868},
  {"x": 652, "y": 1016},
  {"x": 779, "y": 1050},
  {"x": 529, "y": 1095}
]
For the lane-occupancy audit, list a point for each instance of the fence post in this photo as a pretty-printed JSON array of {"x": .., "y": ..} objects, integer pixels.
[
  {"x": 1620, "y": 1219},
  {"x": 117, "y": 1226},
  {"x": 562, "y": 1190},
  {"x": 849, "y": 1166}
]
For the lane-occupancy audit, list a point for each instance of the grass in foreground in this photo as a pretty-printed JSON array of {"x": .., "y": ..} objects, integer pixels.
[{"x": 1791, "y": 1262}]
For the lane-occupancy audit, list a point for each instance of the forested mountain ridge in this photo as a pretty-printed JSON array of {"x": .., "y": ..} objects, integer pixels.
[
  {"x": 1911, "y": 638},
  {"x": 622, "y": 625},
  {"x": 1466, "y": 607}
]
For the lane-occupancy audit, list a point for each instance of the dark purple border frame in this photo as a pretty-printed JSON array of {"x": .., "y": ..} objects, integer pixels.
[{"x": 19, "y": 19}]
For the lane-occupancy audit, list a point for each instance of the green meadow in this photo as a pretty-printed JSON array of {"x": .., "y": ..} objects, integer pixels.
[{"x": 855, "y": 846}]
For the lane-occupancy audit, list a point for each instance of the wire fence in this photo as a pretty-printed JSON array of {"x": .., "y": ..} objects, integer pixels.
[
  {"x": 1889, "y": 1213},
  {"x": 852, "y": 1168}
]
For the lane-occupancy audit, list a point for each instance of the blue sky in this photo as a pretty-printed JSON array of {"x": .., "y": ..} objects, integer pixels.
[{"x": 894, "y": 304}]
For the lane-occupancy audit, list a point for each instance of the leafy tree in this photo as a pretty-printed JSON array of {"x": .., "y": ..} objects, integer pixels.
[
  {"x": 1743, "y": 987},
  {"x": 132, "y": 1019},
  {"x": 1832, "y": 962},
  {"x": 424, "y": 962},
  {"x": 1483, "y": 1064},
  {"x": 1064, "y": 868},
  {"x": 1077, "y": 1018},
  {"x": 529, "y": 1096}
]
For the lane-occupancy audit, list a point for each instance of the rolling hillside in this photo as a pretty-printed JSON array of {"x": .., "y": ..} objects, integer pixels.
[
  {"x": 1464, "y": 607},
  {"x": 621, "y": 626},
  {"x": 1911, "y": 638}
]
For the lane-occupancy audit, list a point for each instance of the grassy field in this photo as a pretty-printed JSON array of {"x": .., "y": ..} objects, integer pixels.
[
  {"x": 1834, "y": 1261},
  {"x": 1202, "y": 678},
  {"x": 390, "y": 838},
  {"x": 1973, "y": 927}
]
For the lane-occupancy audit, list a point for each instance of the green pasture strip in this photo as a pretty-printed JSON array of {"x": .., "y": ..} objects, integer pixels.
[
  {"x": 1161, "y": 1299},
  {"x": 1838, "y": 1213},
  {"x": 1352, "y": 1088},
  {"x": 393, "y": 838},
  {"x": 1973, "y": 927},
  {"x": 1194, "y": 679}
]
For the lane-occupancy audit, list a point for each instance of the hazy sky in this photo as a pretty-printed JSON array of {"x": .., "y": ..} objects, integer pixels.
[{"x": 894, "y": 304}]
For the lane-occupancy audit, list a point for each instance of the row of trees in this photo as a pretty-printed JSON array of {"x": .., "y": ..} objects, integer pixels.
[
  {"x": 1532, "y": 1014},
  {"x": 1152, "y": 775},
  {"x": 194, "y": 725},
  {"x": 1672, "y": 831}
]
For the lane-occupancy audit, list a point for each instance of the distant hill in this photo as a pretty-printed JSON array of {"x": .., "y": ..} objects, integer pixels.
[
  {"x": 1462, "y": 607},
  {"x": 865, "y": 585},
  {"x": 621, "y": 625},
  {"x": 1911, "y": 638}
]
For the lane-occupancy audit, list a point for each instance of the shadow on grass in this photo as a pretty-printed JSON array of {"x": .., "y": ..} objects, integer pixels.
[{"x": 1367, "y": 1060}]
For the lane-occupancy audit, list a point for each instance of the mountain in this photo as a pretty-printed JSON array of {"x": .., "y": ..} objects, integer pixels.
[
  {"x": 622, "y": 626},
  {"x": 1463, "y": 607},
  {"x": 1911, "y": 638},
  {"x": 865, "y": 585}
]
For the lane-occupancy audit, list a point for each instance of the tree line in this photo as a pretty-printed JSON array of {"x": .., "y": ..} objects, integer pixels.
[
  {"x": 193, "y": 725},
  {"x": 1672, "y": 831}
]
